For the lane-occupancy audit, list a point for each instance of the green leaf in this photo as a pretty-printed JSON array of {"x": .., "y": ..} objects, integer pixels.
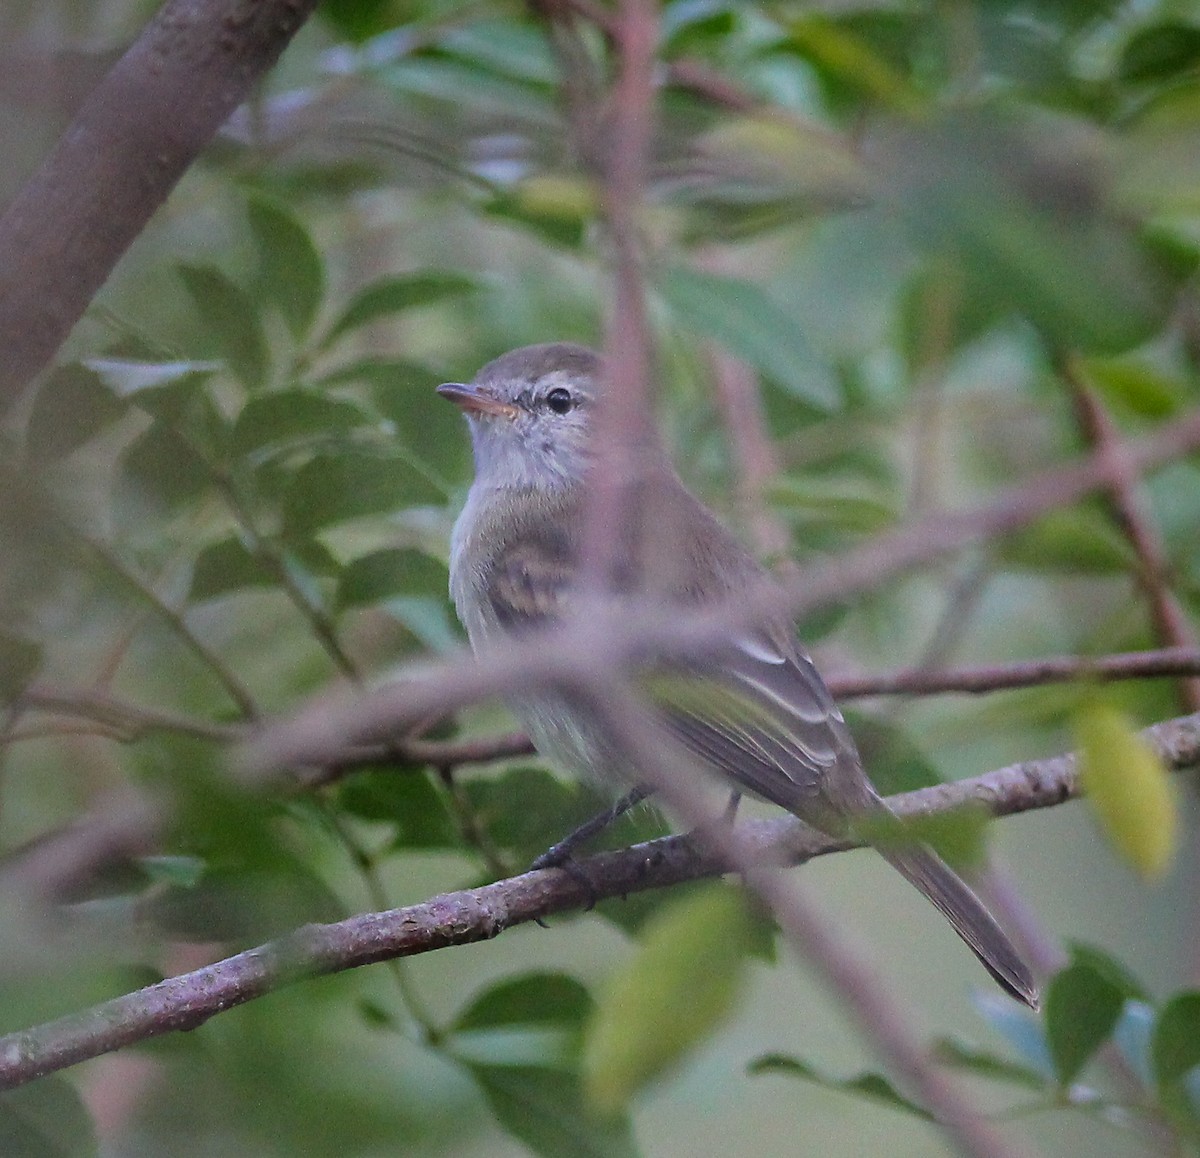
[
  {"x": 231, "y": 317},
  {"x": 1081, "y": 540},
  {"x": 45, "y": 1119},
  {"x": 184, "y": 872},
  {"x": 394, "y": 571},
  {"x": 1137, "y": 387},
  {"x": 1175, "y": 1046},
  {"x": 405, "y": 798},
  {"x": 1161, "y": 53},
  {"x": 874, "y": 1087},
  {"x": 1022, "y": 207},
  {"x": 958, "y": 836},
  {"x": 20, "y": 660},
  {"x": 295, "y": 417},
  {"x": 1082, "y": 1008},
  {"x": 895, "y": 762},
  {"x": 392, "y": 295},
  {"x": 333, "y": 488},
  {"x": 526, "y": 810},
  {"x": 1109, "y": 968},
  {"x": 290, "y": 271},
  {"x": 160, "y": 473},
  {"x": 1127, "y": 787},
  {"x": 227, "y": 566},
  {"x": 960, "y": 1055},
  {"x": 72, "y": 406},
  {"x": 678, "y": 988},
  {"x": 545, "y": 1110},
  {"x": 741, "y": 317},
  {"x": 531, "y": 999}
]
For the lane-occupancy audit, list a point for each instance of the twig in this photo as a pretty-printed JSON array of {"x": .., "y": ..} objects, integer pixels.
[
  {"x": 473, "y": 915},
  {"x": 1165, "y": 662},
  {"x": 1171, "y": 624}
]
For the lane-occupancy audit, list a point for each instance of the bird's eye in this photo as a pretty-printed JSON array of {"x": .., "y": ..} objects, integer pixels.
[{"x": 559, "y": 400}]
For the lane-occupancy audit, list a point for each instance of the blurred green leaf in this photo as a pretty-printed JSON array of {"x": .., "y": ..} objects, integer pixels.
[
  {"x": 20, "y": 660},
  {"x": 741, "y": 317},
  {"x": 1161, "y": 52},
  {"x": 390, "y": 572},
  {"x": 392, "y": 295},
  {"x": 679, "y": 987},
  {"x": 1136, "y": 387},
  {"x": 835, "y": 48},
  {"x": 334, "y": 487},
  {"x": 895, "y": 763},
  {"x": 530, "y": 999},
  {"x": 525, "y": 810},
  {"x": 230, "y": 317},
  {"x": 1082, "y": 539},
  {"x": 72, "y": 405},
  {"x": 958, "y": 836},
  {"x": 228, "y": 565},
  {"x": 960, "y": 1055},
  {"x": 544, "y": 1109},
  {"x": 295, "y": 417},
  {"x": 1082, "y": 1008},
  {"x": 291, "y": 273},
  {"x": 1020, "y": 203},
  {"x": 874, "y": 1087},
  {"x": 1127, "y": 787},
  {"x": 406, "y": 799},
  {"x": 160, "y": 472},
  {"x": 1175, "y": 1046},
  {"x": 46, "y": 1119},
  {"x": 359, "y": 20},
  {"x": 1112, "y": 970}
]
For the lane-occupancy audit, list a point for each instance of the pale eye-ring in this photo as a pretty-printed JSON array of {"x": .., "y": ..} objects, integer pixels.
[{"x": 559, "y": 400}]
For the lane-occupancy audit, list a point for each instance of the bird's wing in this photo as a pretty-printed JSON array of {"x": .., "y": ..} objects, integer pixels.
[{"x": 758, "y": 711}]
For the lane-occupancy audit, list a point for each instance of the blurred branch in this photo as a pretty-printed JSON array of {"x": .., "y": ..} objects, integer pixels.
[
  {"x": 1171, "y": 625},
  {"x": 472, "y": 915},
  {"x": 1133, "y": 665},
  {"x": 130, "y": 142},
  {"x": 667, "y": 770}
]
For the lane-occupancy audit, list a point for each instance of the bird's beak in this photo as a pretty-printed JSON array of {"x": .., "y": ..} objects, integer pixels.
[{"x": 476, "y": 400}]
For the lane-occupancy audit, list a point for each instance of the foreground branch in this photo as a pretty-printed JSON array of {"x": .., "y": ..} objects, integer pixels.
[
  {"x": 130, "y": 142},
  {"x": 470, "y": 915}
]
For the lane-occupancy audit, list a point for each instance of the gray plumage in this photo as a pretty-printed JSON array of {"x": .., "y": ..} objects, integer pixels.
[{"x": 769, "y": 726}]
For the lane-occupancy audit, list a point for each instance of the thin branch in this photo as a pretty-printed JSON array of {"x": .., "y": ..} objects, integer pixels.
[
  {"x": 1171, "y": 625},
  {"x": 665, "y": 767},
  {"x": 129, "y": 143},
  {"x": 1165, "y": 662},
  {"x": 472, "y": 915}
]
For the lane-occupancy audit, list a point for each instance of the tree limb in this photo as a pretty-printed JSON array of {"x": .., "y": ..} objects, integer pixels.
[
  {"x": 130, "y": 142},
  {"x": 471, "y": 915}
]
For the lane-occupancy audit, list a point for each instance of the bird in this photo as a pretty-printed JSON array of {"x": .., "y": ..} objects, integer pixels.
[{"x": 754, "y": 708}]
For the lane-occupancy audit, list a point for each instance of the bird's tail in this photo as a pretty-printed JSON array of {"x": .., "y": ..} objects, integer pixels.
[{"x": 955, "y": 900}]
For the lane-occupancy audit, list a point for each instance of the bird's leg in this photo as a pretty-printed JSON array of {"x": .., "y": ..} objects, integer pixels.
[{"x": 562, "y": 855}]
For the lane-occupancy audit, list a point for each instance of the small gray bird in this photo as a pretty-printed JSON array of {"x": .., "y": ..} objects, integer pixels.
[{"x": 754, "y": 709}]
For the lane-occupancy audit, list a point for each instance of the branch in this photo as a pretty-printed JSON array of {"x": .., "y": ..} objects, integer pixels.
[
  {"x": 1132, "y": 513},
  {"x": 129, "y": 144},
  {"x": 472, "y": 915}
]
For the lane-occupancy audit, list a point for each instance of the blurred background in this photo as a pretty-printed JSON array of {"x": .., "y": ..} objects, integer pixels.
[{"x": 897, "y": 255}]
